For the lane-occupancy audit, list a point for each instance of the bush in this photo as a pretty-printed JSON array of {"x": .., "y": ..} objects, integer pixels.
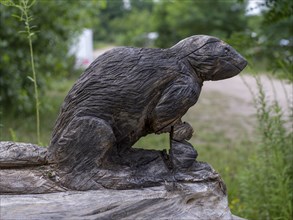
[
  {"x": 266, "y": 183},
  {"x": 56, "y": 23}
]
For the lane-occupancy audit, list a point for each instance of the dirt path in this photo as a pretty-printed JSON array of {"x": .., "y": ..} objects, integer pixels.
[
  {"x": 229, "y": 104},
  {"x": 242, "y": 86}
]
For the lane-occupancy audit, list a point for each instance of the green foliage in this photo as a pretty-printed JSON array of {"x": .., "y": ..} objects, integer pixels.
[
  {"x": 25, "y": 17},
  {"x": 278, "y": 10},
  {"x": 266, "y": 183},
  {"x": 125, "y": 25},
  {"x": 177, "y": 19},
  {"x": 57, "y": 23},
  {"x": 128, "y": 35},
  {"x": 19, "y": 128},
  {"x": 273, "y": 40},
  {"x": 172, "y": 20},
  {"x": 113, "y": 10},
  {"x": 265, "y": 39}
]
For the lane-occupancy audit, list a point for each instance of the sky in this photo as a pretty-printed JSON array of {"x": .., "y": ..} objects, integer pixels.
[{"x": 254, "y": 7}]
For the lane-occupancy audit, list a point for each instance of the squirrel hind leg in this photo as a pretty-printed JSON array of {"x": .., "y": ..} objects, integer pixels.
[{"x": 83, "y": 144}]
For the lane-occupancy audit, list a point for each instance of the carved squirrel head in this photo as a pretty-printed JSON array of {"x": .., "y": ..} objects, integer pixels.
[{"x": 209, "y": 57}]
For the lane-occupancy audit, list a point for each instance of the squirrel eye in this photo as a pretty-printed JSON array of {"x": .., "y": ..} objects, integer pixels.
[{"x": 227, "y": 50}]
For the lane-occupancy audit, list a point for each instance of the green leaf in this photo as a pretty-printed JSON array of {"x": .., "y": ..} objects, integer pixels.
[
  {"x": 31, "y": 79},
  {"x": 21, "y": 32},
  {"x": 16, "y": 16},
  {"x": 7, "y": 2}
]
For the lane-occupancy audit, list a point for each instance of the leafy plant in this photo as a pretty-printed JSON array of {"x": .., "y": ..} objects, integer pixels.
[
  {"x": 266, "y": 183},
  {"x": 177, "y": 19},
  {"x": 51, "y": 49},
  {"x": 24, "y": 7},
  {"x": 272, "y": 31}
]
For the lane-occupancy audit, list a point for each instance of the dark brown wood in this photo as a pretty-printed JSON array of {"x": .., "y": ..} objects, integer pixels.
[
  {"x": 125, "y": 94},
  {"x": 128, "y": 93}
]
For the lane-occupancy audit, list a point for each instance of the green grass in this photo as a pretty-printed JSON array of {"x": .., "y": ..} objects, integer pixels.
[
  {"x": 22, "y": 128},
  {"x": 266, "y": 182}
]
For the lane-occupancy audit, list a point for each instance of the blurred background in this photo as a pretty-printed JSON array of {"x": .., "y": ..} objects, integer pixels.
[{"x": 243, "y": 126}]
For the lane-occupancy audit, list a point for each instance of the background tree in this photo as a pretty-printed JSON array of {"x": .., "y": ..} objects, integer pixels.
[
  {"x": 56, "y": 24},
  {"x": 277, "y": 36},
  {"x": 113, "y": 10},
  {"x": 125, "y": 23},
  {"x": 177, "y": 19}
]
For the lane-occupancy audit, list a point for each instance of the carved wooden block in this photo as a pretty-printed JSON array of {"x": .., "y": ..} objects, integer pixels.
[{"x": 125, "y": 94}]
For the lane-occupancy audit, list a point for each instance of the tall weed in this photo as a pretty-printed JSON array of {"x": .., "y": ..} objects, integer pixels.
[
  {"x": 266, "y": 183},
  {"x": 25, "y": 17}
]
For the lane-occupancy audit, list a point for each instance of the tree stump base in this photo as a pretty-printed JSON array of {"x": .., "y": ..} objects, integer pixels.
[{"x": 34, "y": 189}]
